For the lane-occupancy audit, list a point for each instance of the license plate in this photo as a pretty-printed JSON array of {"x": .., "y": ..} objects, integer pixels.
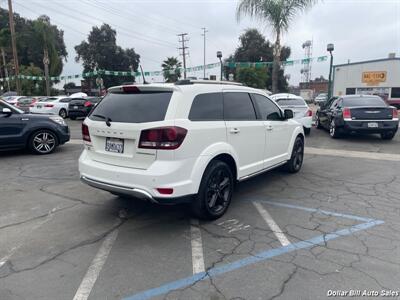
[
  {"x": 373, "y": 125},
  {"x": 75, "y": 107},
  {"x": 115, "y": 145}
]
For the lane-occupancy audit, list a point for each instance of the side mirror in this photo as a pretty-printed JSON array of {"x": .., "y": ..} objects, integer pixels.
[
  {"x": 6, "y": 111},
  {"x": 288, "y": 113}
]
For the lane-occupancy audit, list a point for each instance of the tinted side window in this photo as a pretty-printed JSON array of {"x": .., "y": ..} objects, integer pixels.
[
  {"x": 65, "y": 100},
  {"x": 334, "y": 104},
  {"x": 207, "y": 107},
  {"x": 350, "y": 91},
  {"x": 268, "y": 109},
  {"x": 238, "y": 106}
]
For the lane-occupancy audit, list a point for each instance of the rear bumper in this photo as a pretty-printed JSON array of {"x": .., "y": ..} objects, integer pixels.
[
  {"x": 77, "y": 113},
  {"x": 305, "y": 121},
  {"x": 362, "y": 126},
  {"x": 141, "y": 183}
]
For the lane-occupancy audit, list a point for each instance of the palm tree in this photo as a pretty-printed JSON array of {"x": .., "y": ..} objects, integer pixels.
[
  {"x": 171, "y": 69},
  {"x": 278, "y": 13},
  {"x": 46, "y": 35}
]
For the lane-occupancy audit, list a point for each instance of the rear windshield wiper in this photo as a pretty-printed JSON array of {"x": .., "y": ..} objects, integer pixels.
[{"x": 108, "y": 120}]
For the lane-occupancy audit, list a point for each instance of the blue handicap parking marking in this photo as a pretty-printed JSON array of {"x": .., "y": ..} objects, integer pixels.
[{"x": 264, "y": 255}]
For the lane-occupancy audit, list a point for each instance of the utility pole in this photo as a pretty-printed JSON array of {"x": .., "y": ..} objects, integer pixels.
[
  {"x": 204, "y": 62},
  {"x": 5, "y": 67},
  {"x": 46, "y": 62},
  {"x": 183, "y": 48},
  {"x": 14, "y": 46}
]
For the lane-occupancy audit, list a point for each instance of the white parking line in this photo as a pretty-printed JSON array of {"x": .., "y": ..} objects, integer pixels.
[
  {"x": 95, "y": 267},
  {"x": 197, "y": 247},
  {"x": 274, "y": 227},
  {"x": 350, "y": 153}
]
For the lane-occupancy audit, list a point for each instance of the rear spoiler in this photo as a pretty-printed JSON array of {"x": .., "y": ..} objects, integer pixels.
[{"x": 143, "y": 88}]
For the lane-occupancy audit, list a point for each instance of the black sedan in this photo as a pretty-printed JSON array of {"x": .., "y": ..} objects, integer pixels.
[
  {"x": 39, "y": 133},
  {"x": 81, "y": 107},
  {"x": 358, "y": 114}
]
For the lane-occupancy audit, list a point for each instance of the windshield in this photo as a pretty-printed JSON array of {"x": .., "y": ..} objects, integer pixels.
[
  {"x": 4, "y": 104},
  {"x": 290, "y": 102}
]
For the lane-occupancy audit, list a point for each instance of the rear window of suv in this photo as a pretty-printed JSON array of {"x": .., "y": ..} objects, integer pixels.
[
  {"x": 363, "y": 101},
  {"x": 133, "y": 108},
  {"x": 290, "y": 101}
]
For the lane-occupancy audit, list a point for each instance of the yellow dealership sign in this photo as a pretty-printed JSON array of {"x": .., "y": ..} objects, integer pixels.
[{"x": 373, "y": 77}]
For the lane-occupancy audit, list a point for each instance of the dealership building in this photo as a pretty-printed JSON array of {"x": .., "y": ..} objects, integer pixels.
[{"x": 374, "y": 77}]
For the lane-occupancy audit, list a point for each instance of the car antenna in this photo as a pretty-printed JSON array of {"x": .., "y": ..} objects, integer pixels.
[{"x": 144, "y": 79}]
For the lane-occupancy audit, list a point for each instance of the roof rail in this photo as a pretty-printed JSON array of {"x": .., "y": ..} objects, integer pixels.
[{"x": 191, "y": 81}]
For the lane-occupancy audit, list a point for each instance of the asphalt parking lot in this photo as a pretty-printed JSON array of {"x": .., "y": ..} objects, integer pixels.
[{"x": 333, "y": 227}]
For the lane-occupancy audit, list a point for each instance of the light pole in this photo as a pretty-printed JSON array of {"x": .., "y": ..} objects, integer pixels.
[
  {"x": 330, "y": 48},
  {"x": 219, "y": 55}
]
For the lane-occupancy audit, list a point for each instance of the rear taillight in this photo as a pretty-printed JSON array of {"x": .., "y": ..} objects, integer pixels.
[
  {"x": 49, "y": 105},
  {"x": 395, "y": 114},
  {"x": 346, "y": 113},
  {"x": 87, "y": 104},
  {"x": 308, "y": 113},
  {"x": 85, "y": 133},
  {"x": 166, "y": 138}
]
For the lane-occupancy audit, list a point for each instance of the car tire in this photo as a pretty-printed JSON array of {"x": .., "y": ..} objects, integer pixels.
[
  {"x": 215, "y": 192},
  {"x": 296, "y": 159},
  {"x": 72, "y": 118},
  {"x": 317, "y": 122},
  {"x": 63, "y": 113},
  {"x": 388, "y": 135},
  {"x": 43, "y": 142},
  {"x": 333, "y": 131},
  {"x": 307, "y": 131}
]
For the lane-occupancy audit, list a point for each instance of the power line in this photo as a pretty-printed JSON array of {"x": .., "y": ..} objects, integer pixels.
[{"x": 184, "y": 53}]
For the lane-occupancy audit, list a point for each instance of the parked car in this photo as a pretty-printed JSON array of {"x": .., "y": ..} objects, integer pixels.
[
  {"x": 57, "y": 105},
  {"x": 13, "y": 100},
  {"x": 188, "y": 142},
  {"x": 321, "y": 98},
  {"x": 24, "y": 103},
  {"x": 358, "y": 114},
  {"x": 302, "y": 113},
  {"x": 80, "y": 107},
  {"x": 39, "y": 133}
]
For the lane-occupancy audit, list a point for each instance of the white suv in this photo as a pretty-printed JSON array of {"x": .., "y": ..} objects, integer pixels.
[{"x": 186, "y": 142}]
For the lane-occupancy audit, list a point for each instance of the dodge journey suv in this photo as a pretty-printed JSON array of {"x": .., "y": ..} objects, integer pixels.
[{"x": 186, "y": 142}]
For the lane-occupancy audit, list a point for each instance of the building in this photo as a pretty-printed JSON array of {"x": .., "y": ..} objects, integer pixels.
[
  {"x": 318, "y": 85},
  {"x": 375, "y": 77}
]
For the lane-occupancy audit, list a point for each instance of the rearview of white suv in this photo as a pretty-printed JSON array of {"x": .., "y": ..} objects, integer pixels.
[{"x": 188, "y": 142}]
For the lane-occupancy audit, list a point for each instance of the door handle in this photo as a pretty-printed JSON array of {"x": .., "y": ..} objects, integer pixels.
[
  {"x": 269, "y": 128},
  {"x": 234, "y": 130}
]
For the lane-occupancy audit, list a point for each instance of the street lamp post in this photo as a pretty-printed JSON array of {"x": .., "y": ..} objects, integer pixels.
[
  {"x": 219, "y": 55},
  {"x": 330, "y": 48}
]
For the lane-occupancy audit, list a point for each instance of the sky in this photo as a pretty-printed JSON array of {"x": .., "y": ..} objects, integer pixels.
[{"x": 359, "y": 29}]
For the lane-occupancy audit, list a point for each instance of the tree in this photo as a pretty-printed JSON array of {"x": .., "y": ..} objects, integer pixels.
[
  {"x": 100, "y": 51},
  {"x": 69, "y": 85},
  {"x": 174, "y": 65},
  {"x": 253, "y": 77},
  {"x": 278, "y": 13},
  {"x": 32, "y": 87},
  {"x": 253, "y": 47}
]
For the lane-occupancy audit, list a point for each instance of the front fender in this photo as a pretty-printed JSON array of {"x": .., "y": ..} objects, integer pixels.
[{"x": 206, "y": 157}]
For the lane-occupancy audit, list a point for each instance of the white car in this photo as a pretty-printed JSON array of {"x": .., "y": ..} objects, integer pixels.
[
  {"x": 13, "y": 100},
  {"x": 321, "y": 98},
  {"x": 302, "y": 112},
  {"x": 57, "y": 105},
  {"x": 186, "y": 142}
]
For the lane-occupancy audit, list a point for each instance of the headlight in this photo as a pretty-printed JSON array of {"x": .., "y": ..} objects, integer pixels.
[{"x": 58, "y": 120}]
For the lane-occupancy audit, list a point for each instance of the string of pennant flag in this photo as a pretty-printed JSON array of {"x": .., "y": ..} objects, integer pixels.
[{"x": 99, "y": 73}]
